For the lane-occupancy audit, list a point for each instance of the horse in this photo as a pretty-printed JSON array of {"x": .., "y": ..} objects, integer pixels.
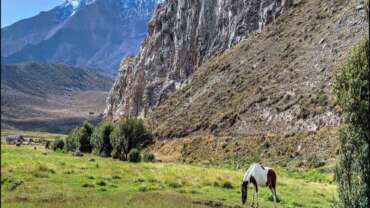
[{"x": 259, "y": 175}]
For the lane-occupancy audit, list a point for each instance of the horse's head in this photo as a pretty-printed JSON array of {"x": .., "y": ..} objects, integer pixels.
[{"x": 244, "y": 191}]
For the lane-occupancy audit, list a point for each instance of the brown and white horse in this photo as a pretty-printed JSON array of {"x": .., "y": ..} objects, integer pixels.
[{"x": 258, "y": 176}]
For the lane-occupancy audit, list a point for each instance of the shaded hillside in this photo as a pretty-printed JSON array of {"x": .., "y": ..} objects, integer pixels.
[
  {"x": 84, "y": 33},
  {"x": 50, "y": 97},
  {"x": 273, "y": 87}
]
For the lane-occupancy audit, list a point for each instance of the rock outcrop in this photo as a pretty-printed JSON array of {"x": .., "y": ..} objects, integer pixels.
[{"x": 182, "y": 35}]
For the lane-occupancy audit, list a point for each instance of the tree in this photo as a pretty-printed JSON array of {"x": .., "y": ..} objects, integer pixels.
[
  {"x": 129, "y": 133},
  {"x": 352, "y": 90},
  {"x": 72, "y": 140},
  {"x": 101, "y": 140},
  {"x": 80, "y": 138},
  {"x": 86, "y": 131}
]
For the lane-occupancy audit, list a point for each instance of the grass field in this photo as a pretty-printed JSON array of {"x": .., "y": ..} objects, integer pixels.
[
  {"x": 38, "y": 134},
  {"x": 41, "y": 178}
]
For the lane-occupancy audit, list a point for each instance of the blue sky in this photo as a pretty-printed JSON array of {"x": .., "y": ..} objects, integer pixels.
[{"x": 15, "y": 10}]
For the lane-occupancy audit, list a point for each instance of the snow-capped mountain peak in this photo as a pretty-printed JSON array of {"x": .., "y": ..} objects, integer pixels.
[{"x": 77, "y": 4}]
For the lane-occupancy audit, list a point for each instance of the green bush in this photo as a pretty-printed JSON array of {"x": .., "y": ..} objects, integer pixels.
[
  {"x": 352, "y": 91},
  {"x": 101, "y": 140},
  {"x": 129, "y": 133},
  {"x": 80, "y": 138},
  {"x": 57, "y": 144},
  {"x": 148, "y": 157},
  {"x": 134, "y": 156}
]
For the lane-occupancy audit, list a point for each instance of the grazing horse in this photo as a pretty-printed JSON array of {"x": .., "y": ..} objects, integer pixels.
[{"x": 259, "y": 176}]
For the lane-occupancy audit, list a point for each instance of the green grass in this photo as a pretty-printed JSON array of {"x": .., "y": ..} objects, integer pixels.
[
  {"x": 30, "y": 178},
  {"x": 51, "y": 136}
]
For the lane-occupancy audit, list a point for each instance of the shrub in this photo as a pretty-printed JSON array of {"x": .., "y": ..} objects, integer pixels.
[
  {"x": 352, "y": 91},
  {"x": 134, "y": 156},
  {"x": 47, "y": 144},
  {"x": 88, "y": 185},
  {"x": 57, "y": 144},
  {"x": 227, "y": 185},
  {"x": 101, "y": 140},
  {"x": 101, "y": 183},
  {"x": 129, "y": 133},
  {"x": 148, "y": 157}
]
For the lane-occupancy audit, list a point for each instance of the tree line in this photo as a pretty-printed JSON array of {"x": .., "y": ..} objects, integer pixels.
[{"x": 122, "y": 140}]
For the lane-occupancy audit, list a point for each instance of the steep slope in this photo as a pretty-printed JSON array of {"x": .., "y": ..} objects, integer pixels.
[
  {"x": 272, "y": 93},
  {"x": 182, "y": 35},
  {"x": 50, "y": 97},
  {"x": 85, "y": 33}
]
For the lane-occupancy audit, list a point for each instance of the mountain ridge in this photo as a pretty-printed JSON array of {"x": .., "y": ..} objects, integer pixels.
[
  {"x": 93, "y": 34},
  {"x": 50, "y": 97}
]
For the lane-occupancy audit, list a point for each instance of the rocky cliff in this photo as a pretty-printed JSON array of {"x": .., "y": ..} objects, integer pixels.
[{"x": 182, "y": 35}]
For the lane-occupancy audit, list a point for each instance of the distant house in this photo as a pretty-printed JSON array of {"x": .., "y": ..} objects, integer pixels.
[{"x": 14, "y": 139}]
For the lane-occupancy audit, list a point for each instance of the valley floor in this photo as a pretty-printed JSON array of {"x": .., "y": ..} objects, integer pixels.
[{"x": 41, "y": 178}]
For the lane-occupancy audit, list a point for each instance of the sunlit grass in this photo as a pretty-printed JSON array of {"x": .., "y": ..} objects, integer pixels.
[{"x": 40, "y": 178}]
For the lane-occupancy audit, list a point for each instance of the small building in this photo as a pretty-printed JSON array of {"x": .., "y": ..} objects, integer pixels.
[{"x": 14, "y": 139}]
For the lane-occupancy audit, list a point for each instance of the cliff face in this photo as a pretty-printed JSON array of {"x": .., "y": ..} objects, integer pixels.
[
  {"x": 182, "y": 35},
  {"x": 279, "y": 81}
]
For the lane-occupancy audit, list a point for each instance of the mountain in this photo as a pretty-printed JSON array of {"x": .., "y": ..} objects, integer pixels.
[
  {"x": 50, "y": 97},
  {"x": 182, "y": 35},
  {"x": 84, "y": 33},
  {"x": 241, "y": 79}
]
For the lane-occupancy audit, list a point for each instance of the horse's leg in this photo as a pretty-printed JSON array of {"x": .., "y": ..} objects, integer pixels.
[
  {"x": 257, "y": 198},
  {"x": 254, "y": 182},
  {"x": 252, "y": 202},
  {"x": 273, "y": 192}
]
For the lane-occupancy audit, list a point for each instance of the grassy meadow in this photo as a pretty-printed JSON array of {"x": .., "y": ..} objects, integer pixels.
[{"x": 42, "y": 178}]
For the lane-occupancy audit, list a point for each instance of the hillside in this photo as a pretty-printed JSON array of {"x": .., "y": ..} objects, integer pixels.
[
  {"x": 84, "y": 33},
  {"x": 50, "y": 97},
  {"x": 270, "y": 96}
]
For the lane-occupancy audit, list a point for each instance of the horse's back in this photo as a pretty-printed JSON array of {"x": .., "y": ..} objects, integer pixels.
[{"x": 258, "y": 172}]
